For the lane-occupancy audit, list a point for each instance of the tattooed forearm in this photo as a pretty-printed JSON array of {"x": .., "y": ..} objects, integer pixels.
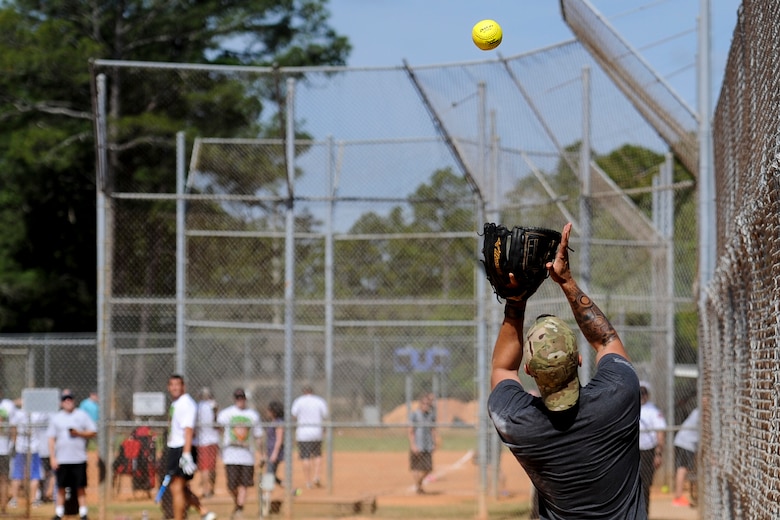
[{"x": 594, "y": 325}]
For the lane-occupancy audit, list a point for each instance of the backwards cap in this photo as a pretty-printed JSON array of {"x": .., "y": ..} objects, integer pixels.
[{"x": 551, "y": 350}]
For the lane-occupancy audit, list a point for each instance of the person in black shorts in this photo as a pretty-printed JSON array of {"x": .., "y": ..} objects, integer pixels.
[
  {"x": 68, "y": 432},
  {"x": 242, "y": 435},
  {"x": 309, "y": 411},
  {"x": 181, "y": 456},
  {"x": 423, "y": 439},
  {"x": 579, "y": 446}
]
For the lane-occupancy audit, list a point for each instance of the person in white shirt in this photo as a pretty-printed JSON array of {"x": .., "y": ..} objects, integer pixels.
[
  {"x": 652, "y": 433},
  {"x": 207, "y": 441},
  {"x": 240, "y": 446},
  {"x": 181, "y": 457},
  {"x": 46, "y": 488},
  {"x": 309, "y": 411},
  {"x": 68, "y": 432},
  {"x": 25, "y": 427},
  {"x": 686, "y": 443},
  {"x": 7, "y": 410}
]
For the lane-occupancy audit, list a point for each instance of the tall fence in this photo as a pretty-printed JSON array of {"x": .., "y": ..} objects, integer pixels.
[
  {"x": 740, "y": 453},
  {"x": 268, "y": 228}
]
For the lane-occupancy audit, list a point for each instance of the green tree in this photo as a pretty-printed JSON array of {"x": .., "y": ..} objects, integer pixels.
[
  {"x": 392, "y": 267},
  {"x": 631, "y": 168},
  {"x": 47, "y": 186}
]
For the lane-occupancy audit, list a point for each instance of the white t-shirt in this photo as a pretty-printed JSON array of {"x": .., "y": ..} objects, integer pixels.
[
  {"x": 688, "y": 436},
  {"x": 309, "y": 411},
  {"x": 28, "y": 430},
  {"x": 207, "y": 434},
  {"x": 651, "y": 421},
  {"x": 67, "y": 449},
  {"x": 43, "y": 436},
  {"x": 182, "y": 414},
  {"x": 242, "y": 430},
  {"x": 7, "y": 409}
]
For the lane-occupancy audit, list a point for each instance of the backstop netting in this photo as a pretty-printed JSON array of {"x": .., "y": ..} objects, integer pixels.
[
  {"x": 740, "y": 451},
  {"x": 267, "y": 228}
]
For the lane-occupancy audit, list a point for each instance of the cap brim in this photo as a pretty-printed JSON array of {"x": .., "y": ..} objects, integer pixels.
[{"x": 564, "y": 398}]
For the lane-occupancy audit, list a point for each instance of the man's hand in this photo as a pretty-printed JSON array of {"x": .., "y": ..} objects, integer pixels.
[
  {"x": 559, "y": 268},
  {"x": 186, "y": 464}
]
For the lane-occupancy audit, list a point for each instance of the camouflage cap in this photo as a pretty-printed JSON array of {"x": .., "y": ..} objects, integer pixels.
[{"x": 553, "y": 358}]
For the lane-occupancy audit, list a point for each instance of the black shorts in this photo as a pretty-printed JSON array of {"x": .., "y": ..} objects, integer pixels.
[
  {"x": 309, "y": 449},
  {"x": 237, "y": 475},
  {"x": 684, "y": 458},
  {"x": 172, "y": 467},
  {"x": 5, "y": 465},
  {"x": 421, "y": 461},
  {"x": 72, "y": 476}
]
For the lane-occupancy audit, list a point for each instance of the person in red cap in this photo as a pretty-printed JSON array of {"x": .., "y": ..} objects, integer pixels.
[{"x": 579, "y": 446}]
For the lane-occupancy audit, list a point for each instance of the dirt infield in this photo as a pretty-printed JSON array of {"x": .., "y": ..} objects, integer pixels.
[
  {"x": 367, "y": 485},
  {"x": 361, "y": 482}
]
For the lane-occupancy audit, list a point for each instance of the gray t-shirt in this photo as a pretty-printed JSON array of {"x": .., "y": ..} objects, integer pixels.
[
  {"x": 584, "y": 462},
  {"x": 423, "y": 424}
]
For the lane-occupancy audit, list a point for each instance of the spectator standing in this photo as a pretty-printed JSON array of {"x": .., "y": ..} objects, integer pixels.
[
  {"x": 240, "y": 445},
  {"x": 686, "y": 442},
  {"x": 652, "y": 434},
  {"x": 309, "y": 410},
  {"x": 7, "y": 411},
  {"x": 274, "y": 435},
  {"x": 181, "y": 455},
  {"x": 423, "y": 439},
  {"x": 91, "y": 405},
  {"x": 26, "y": 466},
  {"x": 207, "y": 441},
  {"x": 68, "y": 432},
  {"x": 46, "y": 487}
]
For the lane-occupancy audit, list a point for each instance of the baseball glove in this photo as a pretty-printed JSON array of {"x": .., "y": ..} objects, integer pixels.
[{"x": 523, "y": 251}]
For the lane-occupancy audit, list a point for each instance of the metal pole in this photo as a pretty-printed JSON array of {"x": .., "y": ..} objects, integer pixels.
[
  {"x": 181, "y": 351},
  {"x": 329, "y": 309},
  {"x": 482, "y": 390},
  {"x": 706, "y": 175},
  {"x": 289, "y": 288},
  {"x": 707, "y": 208},
  {"x": 103, "y": 326},
  {"x": 494, "y": 215},
  {"x": 585, "y": 213},
  {"x": 667, "y": 232}
]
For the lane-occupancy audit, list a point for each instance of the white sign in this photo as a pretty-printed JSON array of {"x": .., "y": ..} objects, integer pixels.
[
  {"x": 41, "y": 400},
  {"x": 148, "y": 403}
]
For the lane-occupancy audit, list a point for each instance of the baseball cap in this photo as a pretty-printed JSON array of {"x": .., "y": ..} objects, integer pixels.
[
  {"x": 553, "y": 358},
  {"x": 239, "y": 393},
  {"x": 66, "y": 395}
]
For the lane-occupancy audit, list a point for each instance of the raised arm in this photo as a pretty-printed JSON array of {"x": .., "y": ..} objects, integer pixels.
[
  {"x": 508, "y": 350},
  {"x": 592, "y": 322}
]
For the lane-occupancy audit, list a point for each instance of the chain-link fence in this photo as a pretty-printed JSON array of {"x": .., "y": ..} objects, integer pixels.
[
  {"x": 268, "y": 228},
  {"x": 739, "y": 448}
]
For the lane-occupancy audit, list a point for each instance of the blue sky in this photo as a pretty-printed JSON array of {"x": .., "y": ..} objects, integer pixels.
[{"x": 425, "y": 32}]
